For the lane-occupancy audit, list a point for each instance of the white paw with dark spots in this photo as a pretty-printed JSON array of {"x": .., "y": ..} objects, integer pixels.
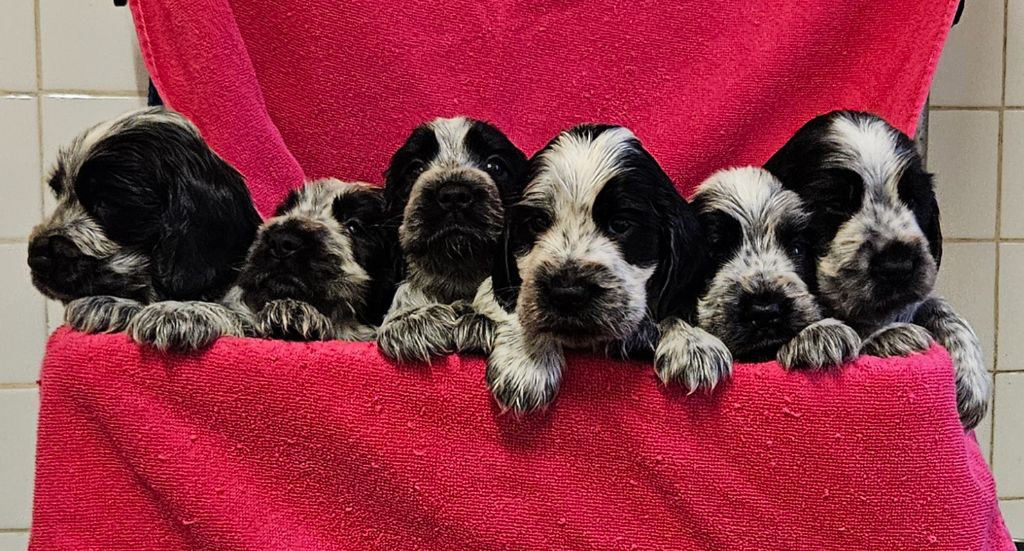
[
  {"x": 692, "y": 357},
  {"x": 172, "y": 326},
  {"x": 823, "y": 344},
  {"x": 418, "y": 334},
  {"x": 897, "y": 339},
  {"x": 292, "y": 320},
  {"x": 101, "y": 314}
]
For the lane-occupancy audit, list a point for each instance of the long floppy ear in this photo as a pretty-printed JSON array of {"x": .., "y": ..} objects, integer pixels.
[
  {"x": 505, "y": 280},
  {"x": 376, "y": 247},
  {"x": 920, "y": 193},
  {"x": 682, "y": 265},
  {"x": 208, "y": 221}
]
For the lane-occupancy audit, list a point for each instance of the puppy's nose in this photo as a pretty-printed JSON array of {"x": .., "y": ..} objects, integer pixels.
[
  {"x": 896, "y": 262},
  {"x": 46, "y": 248},
  {"x": 764, "y": 309},
  {"x": 284, "y": 243},
  {"x": 567, "y": 293},
  {"x": 454, "y": 196}
]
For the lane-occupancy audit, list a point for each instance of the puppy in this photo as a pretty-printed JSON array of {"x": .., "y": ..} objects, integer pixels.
[
  {"x": 598, "y": 251},
  {"x": 449, "y": 183},
  {"x": 324, "y": 267},
  {"x": 874, "y": 211},
  {"x": 757, "y": 300},
  {"x": 146, "y": 212}
]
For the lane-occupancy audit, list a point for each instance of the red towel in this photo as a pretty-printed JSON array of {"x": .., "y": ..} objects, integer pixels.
[
  {"x": 275, "y": 446},
  {"x": 267, "y": 445}
]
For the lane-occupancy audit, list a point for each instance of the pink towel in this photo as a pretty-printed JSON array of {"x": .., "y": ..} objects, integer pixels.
[
  {"x": 258, "y": 445},
  {"x": 267, "y": 445}
]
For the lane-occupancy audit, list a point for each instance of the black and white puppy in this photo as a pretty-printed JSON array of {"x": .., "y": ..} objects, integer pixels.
[
  {"x": 450, "y": 183},
  {"x": 324, "y": 267},
  {"x": 146, "y": 212},
  {"x": 599, "y": 249},
  {"x": 874, "y": 211},
  {"x": 757, "y": 300}
]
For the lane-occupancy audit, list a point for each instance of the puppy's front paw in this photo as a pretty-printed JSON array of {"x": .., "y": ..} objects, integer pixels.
[
  {"x": 897, "y": 339},
  {"x": 691, "y": 356},
  {"x": 173, "y": 326},
  {"x": 474, "y": 333},
  {"x": 972, "y": 396},
  {"x": 419, "y": 334},
  {"x": 822, "y": 344},
  {"x": 523, "y": 373},
  {"x": 100, "y": 314},
  {"x": 292, "y": 320}
]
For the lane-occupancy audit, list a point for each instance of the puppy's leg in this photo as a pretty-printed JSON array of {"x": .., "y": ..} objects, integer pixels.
[
  {"x": 897, "y": 339},
  {"x": 418, "y": 334},
  {"x": 292, "y": 320},
  {"x": 101, "y": 314},
  {"x": 691, "y": 356},
  {"x": 822, "y": 344},
  {"x": 474, "y": 333},
  {"x": 172, "y": 326},
  {"x": 523, "y": 371},
  {"x": 973, "y": 386}
]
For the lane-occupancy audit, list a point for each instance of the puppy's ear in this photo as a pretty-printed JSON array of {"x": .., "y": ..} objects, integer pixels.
[
  {"x": 505, "y": 280},
  {"x": 917, "y": 190},
  {"x": 406, "y": 165},
  {"x": 375, "y": 247},
  {"x": 682, "y": 264}
]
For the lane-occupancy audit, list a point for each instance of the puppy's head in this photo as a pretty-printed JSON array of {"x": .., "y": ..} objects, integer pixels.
[
  {"x": 600, "y": 241},
  {"x": 145, "y": 210},
  {"x": 757, "y": 298},
  {"x": 450, "y": 182},
  {"x": 873, "y": 210},
  {"x": 329, "y": 244}
]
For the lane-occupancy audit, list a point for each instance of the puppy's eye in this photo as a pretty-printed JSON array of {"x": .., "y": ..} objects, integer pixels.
[
  {"x": 496, "y": 167},
  {"x": 621, "y": 226},
  {"x": 415, "y": 168},
  {"x": 796, "y": 249},
  {"x": 536, "y": 224},
  {"x": 354, "y": 227}
]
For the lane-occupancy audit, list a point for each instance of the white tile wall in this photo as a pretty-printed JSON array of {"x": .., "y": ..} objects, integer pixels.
[{"x": 91, "y": 71}]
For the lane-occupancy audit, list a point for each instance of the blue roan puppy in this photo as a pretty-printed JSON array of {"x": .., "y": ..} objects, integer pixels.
[{"x": 599, "y": 249}]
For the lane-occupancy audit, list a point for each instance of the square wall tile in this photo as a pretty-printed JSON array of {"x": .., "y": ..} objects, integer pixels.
[
  {"x": 67, "y": 115},
  {"x": 89, "y": 45},
  {"x": 18, "y": 413},
  {"x": 1011, "y": 308},
  {"x": 19, "y": 157},
  {"x": 971, "y": 69},
  {"x": 54, "y": 315},
  {"x": 1013, "y": 514},
  {"x": 14, "y": 541},
  {"x": 1012, "y": 209},
  {"x": 22, "y": 325},
  {"x": 962, "y": 152},
  {"x": 1014, "y": 53},
  {"x": 1008, "y": 452},
  {"x": 18, "y": 46},
  {"x": 967, "y": 278}
]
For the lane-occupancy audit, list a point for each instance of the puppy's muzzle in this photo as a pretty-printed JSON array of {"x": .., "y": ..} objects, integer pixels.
[
  {"x": 896, "y": 264},
  {"x": 284, "y": 241},
  {"x": 456, "y": 196},
  {"x": 571, "y": 290},
  {"x": 764, "y": 309},
  {"x": 47, "y": 250}
]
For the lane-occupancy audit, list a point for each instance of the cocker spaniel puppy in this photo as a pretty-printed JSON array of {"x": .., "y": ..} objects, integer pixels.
[
  {"x": 757, "y": 300},
  {"x": 324, "y": 267},
  {"x": 450, "y": 183},
  {"x": 874, "y": 211},
  {"x": 599, "y": 249},
  {"x": 146, "y": 212}
]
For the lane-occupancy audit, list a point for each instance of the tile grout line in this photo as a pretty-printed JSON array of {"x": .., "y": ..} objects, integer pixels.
[
  {"x": 14, "y": 530},
  {"x": 18, "y": 386}
]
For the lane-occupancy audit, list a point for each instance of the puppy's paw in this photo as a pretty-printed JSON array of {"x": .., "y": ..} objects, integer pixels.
[
  {"x": 822, "y": 344},
  {"x": 523, "y": 373},
  {"x": 474, "y": 333},
  {"x": 973, "y": 392},
  {"x": 419, "y": 334},
  {"x": 691, "y": 356},
  {"x": 100, "y": 314},
  {"x": 173, "y": 326},
  {"x": 897, "y": 339},
  {"x": 292, "y": 320}
]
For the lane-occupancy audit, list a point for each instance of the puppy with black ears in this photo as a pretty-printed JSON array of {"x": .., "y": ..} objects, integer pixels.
[
  {"x": 146, "y": 212},
  {"x": 757, "y": 300},
  {"x": 324, "y": 267},
  {"x": 449, "y": 183},
  {"x": 879, "y": 244},
  {"x": 599, "y": 249}
]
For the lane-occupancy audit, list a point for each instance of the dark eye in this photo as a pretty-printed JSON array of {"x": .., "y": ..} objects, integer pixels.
[
  {"x": 796, "y": 249},
  {"x": 415, "y": 168},
  {"x": 620, "y": 226},
  {"x": 496, "y": 167},
  {"x": 354, "y": 227},
  {"x": 536, "y": 224}
]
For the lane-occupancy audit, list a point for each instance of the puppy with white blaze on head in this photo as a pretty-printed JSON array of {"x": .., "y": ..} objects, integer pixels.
[
  {"x": 878, "y": 242},
  {"x": 757, "y": 300},
  {"x": 150, "y": 226},
  {"x": 450, "y": 184},
  {"x": 599, "y": 249}
]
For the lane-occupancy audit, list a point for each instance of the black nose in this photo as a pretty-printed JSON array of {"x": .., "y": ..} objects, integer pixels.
[
  {"x": 46, "y": 248},
  {"x": 895, "y": 263},
  {"x": 568, "y": 293},
  {"x": 764, "y": 309},
  {"x": 284, "y": 243},
  {"x": 454, "y": 196}
]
